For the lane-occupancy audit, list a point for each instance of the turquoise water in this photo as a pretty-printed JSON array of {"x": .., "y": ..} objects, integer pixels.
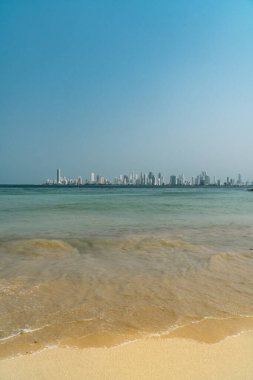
[
  {"x": 68, "y": 213},
  {"x": 95, "y": 266}
]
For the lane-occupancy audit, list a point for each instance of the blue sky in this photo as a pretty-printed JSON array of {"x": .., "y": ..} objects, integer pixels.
[{"x": 115, "y": 86}]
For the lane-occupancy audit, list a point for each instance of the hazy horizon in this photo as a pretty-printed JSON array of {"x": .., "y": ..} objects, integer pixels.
[
  {"x": 112, "y": 88},
  {"x": 213, "y": 178}
]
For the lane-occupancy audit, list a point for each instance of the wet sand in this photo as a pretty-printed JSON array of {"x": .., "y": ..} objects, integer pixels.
[{"x": 146, "y": 359}]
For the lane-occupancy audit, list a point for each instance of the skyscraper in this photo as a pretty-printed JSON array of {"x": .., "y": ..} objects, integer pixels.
[
  {"x": 58, "y": 176},
  {"x": 173, "y": 180},
  {"x": 92, "y": 177},
  {"x": 239, "y": 181}
]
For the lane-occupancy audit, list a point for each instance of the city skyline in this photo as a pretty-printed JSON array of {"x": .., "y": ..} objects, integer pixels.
[
  {"x": 152, "y": 85},
  {"x": 149, "y": 179}
]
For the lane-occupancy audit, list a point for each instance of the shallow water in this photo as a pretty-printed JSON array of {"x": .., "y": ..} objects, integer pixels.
[{"x": 94, "y": 267}]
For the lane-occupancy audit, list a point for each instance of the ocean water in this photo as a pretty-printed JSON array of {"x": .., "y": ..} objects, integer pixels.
[{"x": 89, "y": 267}]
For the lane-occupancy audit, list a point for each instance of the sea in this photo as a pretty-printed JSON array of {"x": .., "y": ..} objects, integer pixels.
[{"x": 97, "y": 267}]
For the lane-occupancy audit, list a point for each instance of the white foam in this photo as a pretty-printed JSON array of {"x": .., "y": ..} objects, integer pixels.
[{"x": 26, "y": 330}]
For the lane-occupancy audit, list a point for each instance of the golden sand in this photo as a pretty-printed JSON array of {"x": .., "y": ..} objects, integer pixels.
[{"x": 147, "y": 359}]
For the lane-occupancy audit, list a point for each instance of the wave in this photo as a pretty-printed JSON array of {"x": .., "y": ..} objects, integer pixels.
[
  {"x": 38, "y": 247},
  {"x": 138, "y": 246},
  {"x": 135, "y": 243},
  {"x": 224, "y": 258},
  {"x": 25, "y": 330}
]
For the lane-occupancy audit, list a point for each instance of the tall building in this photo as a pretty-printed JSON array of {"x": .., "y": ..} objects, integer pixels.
[
  {"x": 160, "y": 179},
  {"x": 239, "y": 181},
  {"x": 151, "y": 179},
  {"x": 180, "y": 180},
  {"x": 207, "y": 180},
  {"x": 58, "y": 176},
  {"x": 173, "y": 180},
  {"x": 92, "y": 177},
  {"x": 79, "y": 181}
]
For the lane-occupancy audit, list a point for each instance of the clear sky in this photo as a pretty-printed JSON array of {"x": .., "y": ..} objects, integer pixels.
[{"x": 114, "y": 86}]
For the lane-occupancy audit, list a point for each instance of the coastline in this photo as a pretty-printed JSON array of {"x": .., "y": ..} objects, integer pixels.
[
  {"x": 145, "y": 359},
  {"x": 121, "y": 186}
]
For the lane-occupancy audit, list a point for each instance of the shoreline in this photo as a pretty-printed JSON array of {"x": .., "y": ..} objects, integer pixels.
[
  {"x": 207, "y": 330},
  {"x": 145, "y": 359},
  {"x": 129, "y": 186}
]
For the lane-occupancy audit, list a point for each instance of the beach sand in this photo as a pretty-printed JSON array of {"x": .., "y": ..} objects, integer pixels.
[{"x": 149, "y": 359}]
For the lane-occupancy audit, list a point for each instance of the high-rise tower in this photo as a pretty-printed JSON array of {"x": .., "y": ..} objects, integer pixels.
[{"x": 58, "y": 177}]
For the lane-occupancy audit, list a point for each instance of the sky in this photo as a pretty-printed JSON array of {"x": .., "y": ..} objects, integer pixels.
[{"x": 112, "y": 87}]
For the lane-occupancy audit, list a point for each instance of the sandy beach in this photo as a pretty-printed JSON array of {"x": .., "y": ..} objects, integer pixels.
[
  {"x": 147, "y": 359},
  {"x": 97, "y": 297}
]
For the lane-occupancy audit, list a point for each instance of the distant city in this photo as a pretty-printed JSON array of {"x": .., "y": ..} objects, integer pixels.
[{"x": 147, "y": 179}]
